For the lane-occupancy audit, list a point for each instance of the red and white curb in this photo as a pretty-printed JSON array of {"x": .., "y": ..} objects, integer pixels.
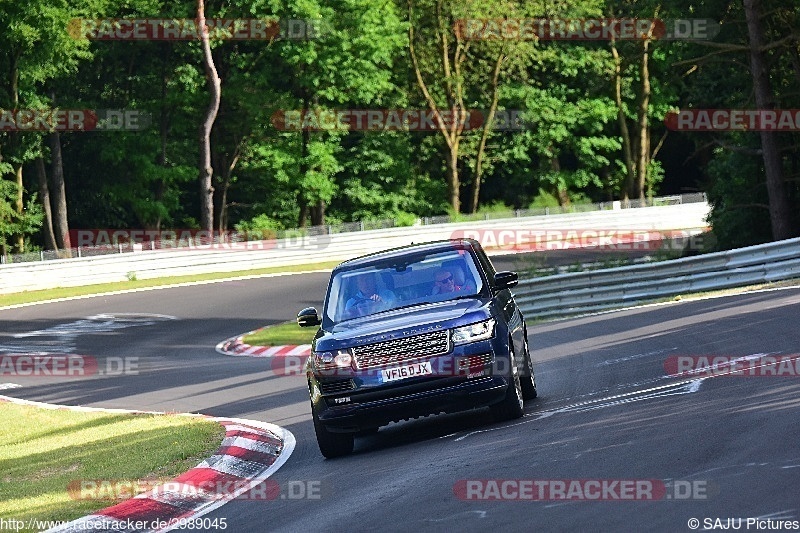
[
  {"x": 236, "y": 347},
  {"x": 250, "y": 453}
]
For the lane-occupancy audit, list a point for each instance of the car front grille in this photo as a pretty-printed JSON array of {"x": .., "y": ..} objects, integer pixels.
[
  {"x": 332, "y": 387},
  {"x": 403, "y": 349}
]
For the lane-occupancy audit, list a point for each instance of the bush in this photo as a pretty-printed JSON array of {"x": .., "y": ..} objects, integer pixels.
[{"x": 259, "y": 227}]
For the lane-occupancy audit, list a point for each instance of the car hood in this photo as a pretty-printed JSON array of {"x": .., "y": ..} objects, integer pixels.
[{"x": 403, "y": 323}]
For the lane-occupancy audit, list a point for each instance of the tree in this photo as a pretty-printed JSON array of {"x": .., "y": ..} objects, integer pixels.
[
  {"x": 34, "y": 48},
  {"x": 449, "y": 77},
  {"x": 215, "y": 88},
  {"x": 779, "y": 211},
  {"x": 751, "y": 65}
]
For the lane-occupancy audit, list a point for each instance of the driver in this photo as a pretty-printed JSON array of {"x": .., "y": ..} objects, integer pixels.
[{"x": 369, "y": 299}]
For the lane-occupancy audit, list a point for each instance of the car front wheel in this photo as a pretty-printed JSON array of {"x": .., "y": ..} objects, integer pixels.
[
  {"x": 512, "y": 405},
  {"x": 331, "y": 444},
  {"x": 528, "y": 380}
]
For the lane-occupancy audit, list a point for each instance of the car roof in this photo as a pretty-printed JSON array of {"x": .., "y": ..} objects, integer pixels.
[{"x": 426, "y": 247}]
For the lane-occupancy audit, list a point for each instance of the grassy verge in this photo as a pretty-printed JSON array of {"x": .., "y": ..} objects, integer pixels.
[
  {"x": 280, "y": 334},
  {"x": 43, "y": 452},
  {"x": 66, "y": 292}
]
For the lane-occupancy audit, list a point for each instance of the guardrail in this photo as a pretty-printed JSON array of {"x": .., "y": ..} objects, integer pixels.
[
  {"x": 311, "y": 249},
  {"x": 78, "y": 251},
  {"x": 598, "y": 290}
]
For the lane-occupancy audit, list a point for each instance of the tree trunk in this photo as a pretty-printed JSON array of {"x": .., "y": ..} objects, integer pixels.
[
  {"x": 627, "y": 151},
  {"x": 163, "y": 132},
  {"x": 318, "y": 214},
  {"x": 779, "y": 209},
  {"x": 453, "y": 184},
  {"x": 226, "y": 171},
  {"x": 60, "y": 222},
  {"x": 16, "y": 143},
  {"x": 561, "y": 193},
  {"x": 643, "y": 157},
  {"x": 487, "y": 125},
  {"x": 215, "y": 87},
  {"x": 220, "y": 165},
  {"x": 44, "y": 198},
  {"x": 20, "y": 206},
  {"x": 302, "y": 215},
  {"x": 302, "y": 202}
]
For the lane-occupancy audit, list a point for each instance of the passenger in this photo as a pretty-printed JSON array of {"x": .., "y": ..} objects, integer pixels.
[
  {"x": 460, "y": 280},
  {"x": 369, "y": 299},
  {"x": 444, "y": 282}
]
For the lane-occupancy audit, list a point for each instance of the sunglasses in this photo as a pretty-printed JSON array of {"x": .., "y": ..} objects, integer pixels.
[{"x": 445, "y": 280}]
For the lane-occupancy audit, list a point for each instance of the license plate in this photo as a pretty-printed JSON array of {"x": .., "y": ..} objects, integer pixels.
[{"x": 406, "y": 371}]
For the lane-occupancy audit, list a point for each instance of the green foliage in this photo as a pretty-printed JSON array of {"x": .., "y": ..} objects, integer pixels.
[
  {"x": 546, "y": 199},
  {"x": 569, "y": 153},
  {"x": 259, "y": 227},
  {"x": 494, "y": 207},
  {"x": 739, "y": 201},
  {"x": 13, "y": 223}
]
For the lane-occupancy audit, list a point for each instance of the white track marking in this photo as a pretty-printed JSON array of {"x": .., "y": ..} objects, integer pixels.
[
  {"x": 674, "y": 389},
  {"x": 635, "y": 356}
]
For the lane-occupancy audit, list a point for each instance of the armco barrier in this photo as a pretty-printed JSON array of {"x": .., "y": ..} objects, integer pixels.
[
  {"x": 583, "y": 292},
  {"x": 689, "y": 217}
]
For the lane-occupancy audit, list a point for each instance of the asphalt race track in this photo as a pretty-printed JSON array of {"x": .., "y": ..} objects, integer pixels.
[{"x": 722, "y": 447}]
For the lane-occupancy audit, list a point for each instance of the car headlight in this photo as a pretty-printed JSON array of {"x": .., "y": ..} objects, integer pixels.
[
  {"x": 331, "y": 360},
  {"x": 474, "y": 332}
]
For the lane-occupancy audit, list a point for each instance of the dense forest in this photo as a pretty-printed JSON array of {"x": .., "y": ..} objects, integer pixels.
[{"x": 327, "y": 111}]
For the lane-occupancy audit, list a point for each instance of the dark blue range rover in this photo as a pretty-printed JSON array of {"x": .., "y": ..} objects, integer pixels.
[{"x": 415, "y": 331}]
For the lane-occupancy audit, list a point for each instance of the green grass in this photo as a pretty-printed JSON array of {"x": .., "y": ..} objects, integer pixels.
[
  {"x": 280, "y": 334},
  {"x": 42, "y": 451},
  {"x": 66, "y": 292}
]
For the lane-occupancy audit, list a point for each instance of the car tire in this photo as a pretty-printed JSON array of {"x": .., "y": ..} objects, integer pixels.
[
  {"x": 528, "y": 379},
  {"x": 331, "y": 444},
  {"x": 512, "y": 405}
]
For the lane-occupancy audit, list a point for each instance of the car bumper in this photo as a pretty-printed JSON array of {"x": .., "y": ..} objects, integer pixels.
[{"x": 433, "y": 396}]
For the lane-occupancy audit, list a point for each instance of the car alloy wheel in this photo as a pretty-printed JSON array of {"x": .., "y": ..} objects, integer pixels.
[
  {"x": 528, "y": 381},
  {"x": 512, "y": 405}
]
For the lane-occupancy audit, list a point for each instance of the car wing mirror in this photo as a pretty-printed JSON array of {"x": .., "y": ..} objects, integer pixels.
[
  {"x": 505, "y": 280},
  {"x": 308, "y": 317}
]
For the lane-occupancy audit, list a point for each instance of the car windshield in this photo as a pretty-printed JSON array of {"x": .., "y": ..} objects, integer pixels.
[{"x": 406, "y": 281}]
